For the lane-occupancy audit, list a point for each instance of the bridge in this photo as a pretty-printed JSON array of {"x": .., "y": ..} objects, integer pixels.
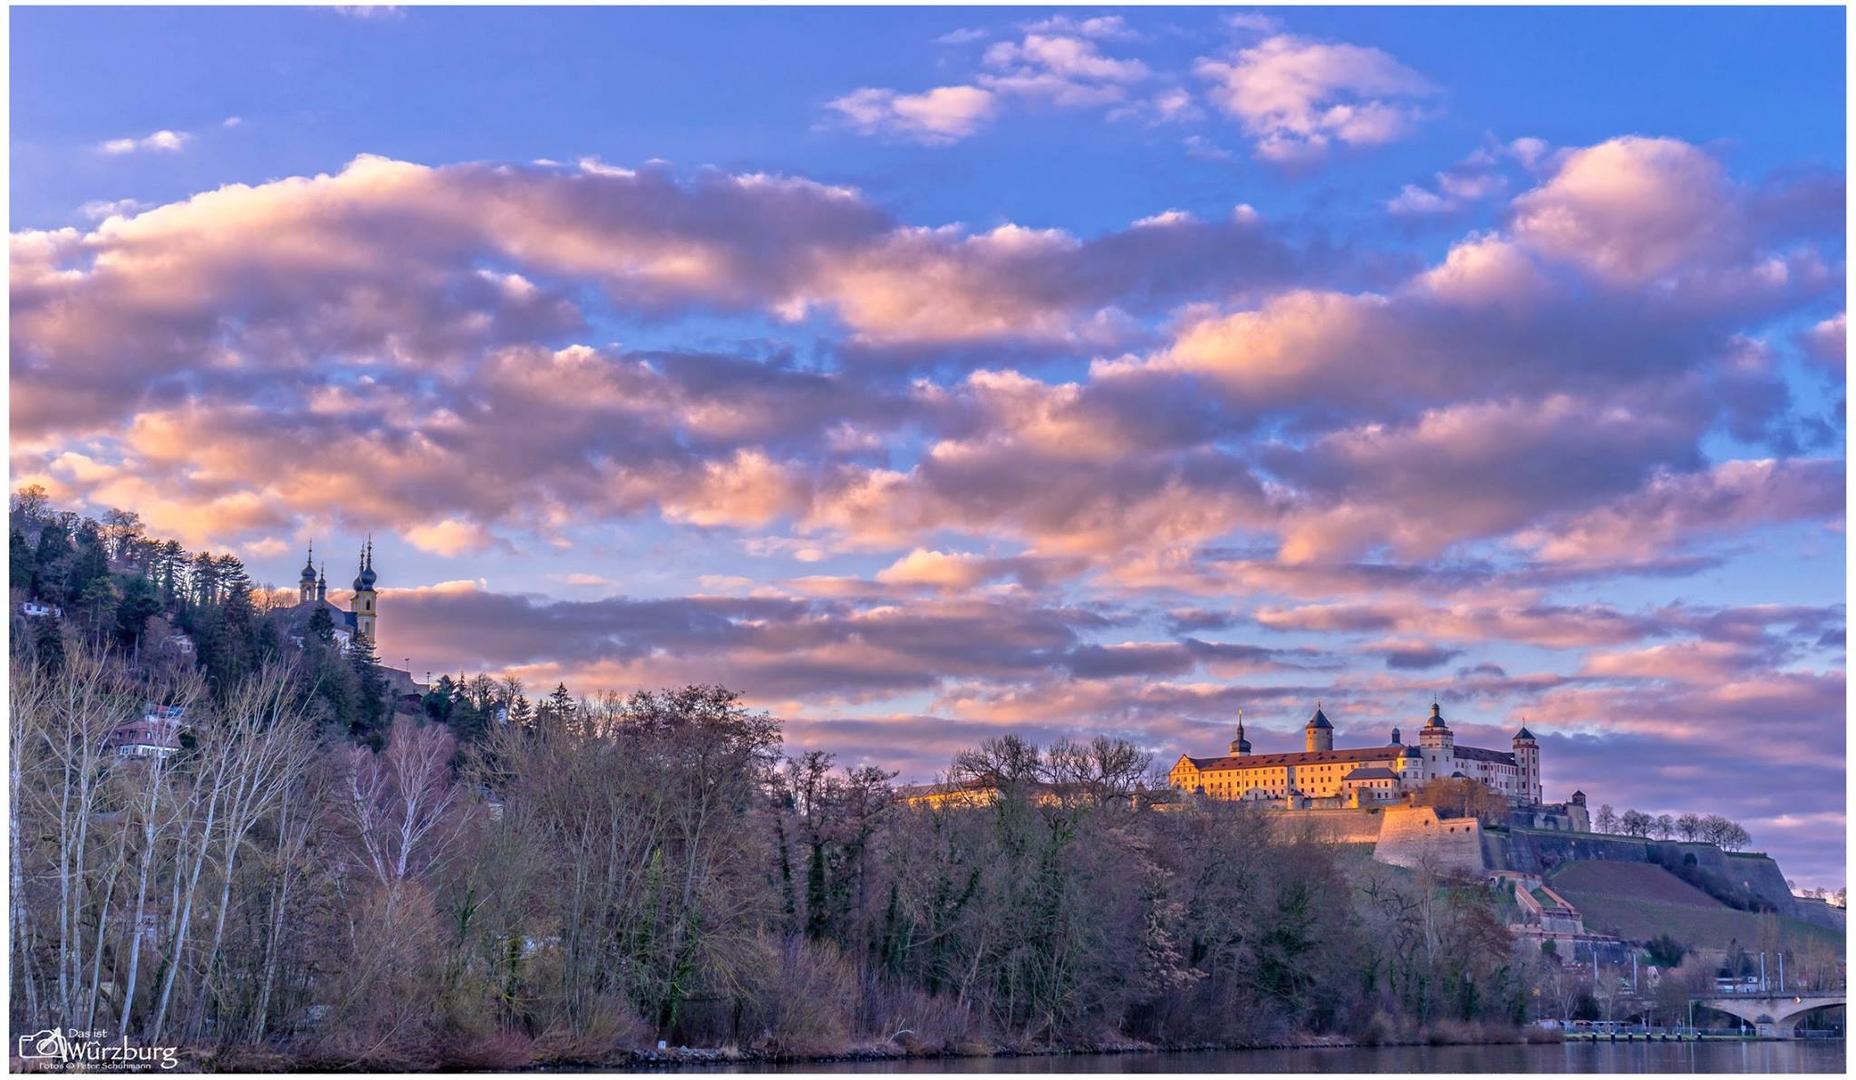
[{"x": 1774, "y": 1015}]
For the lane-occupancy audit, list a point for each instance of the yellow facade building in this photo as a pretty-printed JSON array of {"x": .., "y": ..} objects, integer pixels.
[{"x": 1363, "y": 776}]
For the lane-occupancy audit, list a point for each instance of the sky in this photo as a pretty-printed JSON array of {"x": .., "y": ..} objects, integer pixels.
[{"x": 933, "y": 374}]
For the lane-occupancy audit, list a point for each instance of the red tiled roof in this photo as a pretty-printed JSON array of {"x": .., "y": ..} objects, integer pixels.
[
  {"x": 1338, "y": 757},
  {"x": 1319, "y": 757}
]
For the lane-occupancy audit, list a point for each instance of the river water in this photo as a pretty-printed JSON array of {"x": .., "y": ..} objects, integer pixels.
[{"x": 1813, "y": 1056}]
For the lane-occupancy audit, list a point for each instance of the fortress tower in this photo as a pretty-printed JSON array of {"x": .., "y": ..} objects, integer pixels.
[
  {"x": 1319, "y": 734},
  {"x": 1438, "y": 741},
  {"x": 1527, "y": 760}
]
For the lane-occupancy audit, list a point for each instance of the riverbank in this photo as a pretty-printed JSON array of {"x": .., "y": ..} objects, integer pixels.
[{"x": 1438, "y": 1035}]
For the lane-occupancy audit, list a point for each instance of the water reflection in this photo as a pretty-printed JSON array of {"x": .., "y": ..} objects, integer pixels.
[{"x": 1821, "y": 1056}]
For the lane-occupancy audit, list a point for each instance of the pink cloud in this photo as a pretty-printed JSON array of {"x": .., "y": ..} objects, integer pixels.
[
  {"x": 1633, "y": 209},
  {"x": 1297, "y": 97}
]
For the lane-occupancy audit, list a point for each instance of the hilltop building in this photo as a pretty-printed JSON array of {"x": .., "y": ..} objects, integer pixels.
[
  {"x": 1321, "y": 776},
  {"x": 363, "y": 612},
  {"x": 360, "y": 620}
]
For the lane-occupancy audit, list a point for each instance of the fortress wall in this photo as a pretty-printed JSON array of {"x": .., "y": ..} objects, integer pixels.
[
  {"x": 1343, "y": 826},
  {"x": 1415, "y": 836}
]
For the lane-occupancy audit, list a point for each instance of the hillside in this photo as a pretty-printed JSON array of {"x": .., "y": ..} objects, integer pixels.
[{"x": 1638, "y": 901}]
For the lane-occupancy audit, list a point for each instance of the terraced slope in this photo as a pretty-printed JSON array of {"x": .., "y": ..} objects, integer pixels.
[{"x": 1638, "y": 901}]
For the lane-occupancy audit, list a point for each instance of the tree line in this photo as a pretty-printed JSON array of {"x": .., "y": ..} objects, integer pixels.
[
  {"x": 599, "y": 873},
  {"x": 1713, "y": 829},
  {"x": 321, "y": 875}
]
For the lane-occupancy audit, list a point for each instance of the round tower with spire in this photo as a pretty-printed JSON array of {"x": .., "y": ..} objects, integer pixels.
[
  {"x": 1240, "y": 746},
  {"x": 363, "y": 604},
  {"x": 1318, "y": 734}
]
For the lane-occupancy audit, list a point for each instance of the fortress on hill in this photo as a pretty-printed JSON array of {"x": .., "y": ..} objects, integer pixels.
[{"x": 1321, "y": 777}]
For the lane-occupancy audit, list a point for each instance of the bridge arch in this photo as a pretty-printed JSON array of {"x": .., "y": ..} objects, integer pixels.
[{"x": 1775, "y": 1016}]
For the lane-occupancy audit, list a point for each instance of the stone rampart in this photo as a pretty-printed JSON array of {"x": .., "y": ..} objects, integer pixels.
[{"x": 1415, "y": 836}]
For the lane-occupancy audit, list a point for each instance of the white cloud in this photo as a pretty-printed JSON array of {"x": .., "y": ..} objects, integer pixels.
[
  {"x": 374, "y": 12},
  {"x": 965, "y": 35},
  {"x": 1471, "y": 180},
  {"x": 1297, "y": 97},
  {"x": 943, "y": 115},
  {"x": 98, "y": 209},
  {"x": 1064, "y": 70},
  {"x": 1633, "y": 209},
  {"x": 156, "y": 140},
  {"x": 1104, "y": 27}
]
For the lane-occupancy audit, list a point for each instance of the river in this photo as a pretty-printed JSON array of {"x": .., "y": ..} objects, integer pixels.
[{"x": 1812, "y": 1056}]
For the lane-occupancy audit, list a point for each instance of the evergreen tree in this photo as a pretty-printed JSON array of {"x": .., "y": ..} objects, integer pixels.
[
  {"x": 170, "y": 557},
  {"x": 438, "y": 699},
  {"x": 371, "y": 714},
  {"x": 21, "y": 562},
  {"x": 48, "y": 644},
  {"x": 92, "y": 561},
  {"x": 96, "y": 607},
  {"x": 322, "y": 625},
  {"x": 133, "y": 611},
  {"x": 557, "y": 708},
  {"x": 51, "y": 563}
]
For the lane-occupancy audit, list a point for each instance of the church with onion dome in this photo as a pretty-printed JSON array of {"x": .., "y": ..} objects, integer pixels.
[
  {"x": 360, "y": 620},
  {"x": 363, "y": 602},
  {"x": 1321, "y": 776}
]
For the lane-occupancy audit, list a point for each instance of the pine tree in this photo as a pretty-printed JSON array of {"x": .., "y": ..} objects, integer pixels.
[
  {"x": 22, "y": 562},
  {"x": 138, "y": 604},
  {"x": 52, "y": 563},
  {"x": 48, "y": 644},
  {"x": 557, "y": 708},
  {"x": 168, "y": 561},
  {"x": 371, "y": 711},
  {"x": 322, "y": 625}
]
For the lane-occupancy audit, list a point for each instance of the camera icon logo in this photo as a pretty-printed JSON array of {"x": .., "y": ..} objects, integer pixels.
[{"x": 49, "y": 1043}]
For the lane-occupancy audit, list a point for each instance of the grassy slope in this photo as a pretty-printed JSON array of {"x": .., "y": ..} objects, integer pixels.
[{"x": 1637, "y": 901}]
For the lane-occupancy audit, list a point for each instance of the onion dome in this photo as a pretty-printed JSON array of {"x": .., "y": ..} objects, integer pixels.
[
  {"x": 1437, "y": 716},
  {"x": 1240, "y": 745},
  {"x": 1395, "y": 739},
  {"x": 308, "y": 577},
  {"x": 365, "y": 580}
]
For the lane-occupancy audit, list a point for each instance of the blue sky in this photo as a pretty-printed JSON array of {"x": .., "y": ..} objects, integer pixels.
[{"x": 930, "y": 373}]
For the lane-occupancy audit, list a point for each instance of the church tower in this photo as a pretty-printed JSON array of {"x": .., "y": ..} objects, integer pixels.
[
  {"x": 1319, "y": 734},
  {"x": 306, "y": 584},
  {"x": 362, "y": 605}
]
